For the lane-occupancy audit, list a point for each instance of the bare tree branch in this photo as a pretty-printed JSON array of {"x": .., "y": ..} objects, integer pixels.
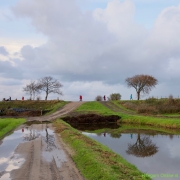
[
  {"x": 50, "y": 85},
  {"x": 142, "y": 83},
  {"x": 33, "y": 89}
]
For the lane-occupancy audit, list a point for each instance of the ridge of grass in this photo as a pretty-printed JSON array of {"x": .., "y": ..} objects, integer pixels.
[
  {"x": 98, "y": 108},
  {"x": 94, "y": 160},
  {"x": 48, "y": 107},
  {"x": 8, "y": 124}
]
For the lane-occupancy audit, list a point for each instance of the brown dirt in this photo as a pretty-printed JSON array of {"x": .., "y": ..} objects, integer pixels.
[
  {"x": 55, "y": 165},
  {"x": 65, "y": 110}
]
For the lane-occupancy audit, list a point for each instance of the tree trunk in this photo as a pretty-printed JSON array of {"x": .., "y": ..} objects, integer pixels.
[
  {"x": 138, "y": 95},
  {"x": 46, "y": 96}
]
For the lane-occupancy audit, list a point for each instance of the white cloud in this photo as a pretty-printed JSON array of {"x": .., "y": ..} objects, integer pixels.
[{"x": 97, "y": 48}]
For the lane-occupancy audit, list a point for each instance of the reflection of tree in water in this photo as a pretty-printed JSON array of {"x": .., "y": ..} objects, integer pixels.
[
  {"x": 143, "y": 147},
  {"x": 115, "y": 135},
  {"x": 50, "y": 141},
  {"x": 171, "y": 136},
  {"x": 33, "y": 134}
]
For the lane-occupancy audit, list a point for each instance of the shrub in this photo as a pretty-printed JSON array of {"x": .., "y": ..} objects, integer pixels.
[
  {"x": 147, "y": 109},
  {"x": 98, "y": 98},
  {"x": 115, "y": 96}
]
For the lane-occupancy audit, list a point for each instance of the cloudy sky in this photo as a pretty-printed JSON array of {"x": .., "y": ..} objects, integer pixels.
[{"x": 91, "y": 46}]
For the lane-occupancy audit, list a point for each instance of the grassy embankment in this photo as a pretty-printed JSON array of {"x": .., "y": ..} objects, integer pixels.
[
  {"x": 8, "y": 124},
  {"x": 96, "y": 107},
  {"x": 153, "y": 106},
  {"x": 94, "y": 160},
  {"x": 48, "y": 107}
]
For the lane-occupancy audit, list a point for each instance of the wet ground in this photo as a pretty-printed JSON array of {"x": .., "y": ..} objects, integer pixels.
[{"x": 34, "y": 152}]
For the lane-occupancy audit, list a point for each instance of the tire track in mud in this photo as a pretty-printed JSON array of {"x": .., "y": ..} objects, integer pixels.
[{"x": 44, "y": 159}]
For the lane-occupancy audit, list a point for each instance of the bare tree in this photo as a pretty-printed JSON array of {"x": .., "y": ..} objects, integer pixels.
[
  {"x": 115, "y": 96},
  {"x": 142, "y": 83},
  {"x": 50, "y": 85},
  {"x": 143, "y": 147},
  {"x": 33, "y": 89}
]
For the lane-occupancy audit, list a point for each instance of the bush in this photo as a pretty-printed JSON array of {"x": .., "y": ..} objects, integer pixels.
[
  {"x": 151, "y": 100},
  {"x": 147, "y": 109},
  {"x": 98, "y": 98},
  {"x": 115, "y": 96},
  {"x": 130, "y": 105}
]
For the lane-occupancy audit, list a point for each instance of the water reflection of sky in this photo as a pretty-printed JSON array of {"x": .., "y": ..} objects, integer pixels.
[{"x": 166, "y": 160}]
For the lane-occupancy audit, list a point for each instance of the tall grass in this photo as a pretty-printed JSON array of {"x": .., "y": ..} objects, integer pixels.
[
  {"x": 9, "y": 124},
  {"x": 154, "y": 106}
]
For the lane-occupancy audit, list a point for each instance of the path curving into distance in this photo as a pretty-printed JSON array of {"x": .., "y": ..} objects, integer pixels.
[{"x": 66, "y": 109}]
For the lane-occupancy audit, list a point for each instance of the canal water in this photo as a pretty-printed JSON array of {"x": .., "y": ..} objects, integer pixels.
[{"x": 154, "y": 153}]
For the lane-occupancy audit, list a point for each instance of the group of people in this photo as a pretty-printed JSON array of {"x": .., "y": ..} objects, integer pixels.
[
  {"x": 4, "y": 99},
  {"x": 104, "y": 97},
  {"x": 80, "y": 98}
]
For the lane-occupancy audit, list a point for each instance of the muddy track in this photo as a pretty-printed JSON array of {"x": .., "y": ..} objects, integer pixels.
[
  {"x": 65, "y": 110},
  {"x": 41, "y": 155},
  {"x": 115, "y": 108}
]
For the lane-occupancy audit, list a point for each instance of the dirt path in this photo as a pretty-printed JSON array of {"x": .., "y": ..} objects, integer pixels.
[
  {"x": 40, "y": 155},
  {"x": 66, "y": 109}
]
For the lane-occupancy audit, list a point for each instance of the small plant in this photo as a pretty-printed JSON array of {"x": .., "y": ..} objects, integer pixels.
[
  {"x": 38, "y": 98},
  {"x": 98, "y": 98},
  {"x": 115, "y": 96}
]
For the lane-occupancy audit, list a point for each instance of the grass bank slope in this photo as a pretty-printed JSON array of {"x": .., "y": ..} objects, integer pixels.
[
  {"x": 48, "y": 106},
  {"x": 98, "y": 108},
  {"x": 94, "y": 160},
  {"x": 6, "y": 125}
]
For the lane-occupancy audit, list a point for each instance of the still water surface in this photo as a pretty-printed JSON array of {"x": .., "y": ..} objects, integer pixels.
[{"x": 156, "y": 155}]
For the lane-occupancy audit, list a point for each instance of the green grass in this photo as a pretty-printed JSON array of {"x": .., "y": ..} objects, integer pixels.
[
  {"x": 8, "y": 124},
  {"x": 94, "y": 107},
  {"x": 56, "y": 106},
  {"x": 138, "y": 128},
  {"x": 130, "y": 119},
  {"x": 94, "y": 160},
  {"x": 48, "y": 107}
]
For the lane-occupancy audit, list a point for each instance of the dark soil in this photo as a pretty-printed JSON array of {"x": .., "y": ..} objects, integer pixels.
[
  {"x": 91, "y": 119},
  {"x": 21, "y": 114},
  {"x": 93, "y": 127}
]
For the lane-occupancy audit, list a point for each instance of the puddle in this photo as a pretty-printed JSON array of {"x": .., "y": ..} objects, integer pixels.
[
  {"x": 9, "y": 160},
  {"x": 51, "y": 149}
]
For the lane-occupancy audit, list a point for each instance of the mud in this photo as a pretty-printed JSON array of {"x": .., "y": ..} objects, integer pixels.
[
  {"x": 93, "y": 127},
  {"x": 91, "y": 119},
  {"x": 61, "y": 112},
  {"x": 35, "y": 152}
]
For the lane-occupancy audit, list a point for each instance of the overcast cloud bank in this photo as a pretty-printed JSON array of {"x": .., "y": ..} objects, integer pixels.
[{"x": 93, "y": 52}]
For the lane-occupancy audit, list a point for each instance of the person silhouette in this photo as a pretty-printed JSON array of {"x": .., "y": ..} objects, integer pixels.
[
  {"x": 80, "y": 97},
  {"x": 131, "y": 97}
]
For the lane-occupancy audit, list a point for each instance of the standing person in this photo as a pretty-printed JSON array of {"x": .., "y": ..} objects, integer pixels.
[
  {"x": 80, "y": 97},
  {"x": 104, "y": 98},
  {"x": 23, "y": 98},
  {"x": 9, "y": 98},
  {"x": 131, "y": 97}
]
